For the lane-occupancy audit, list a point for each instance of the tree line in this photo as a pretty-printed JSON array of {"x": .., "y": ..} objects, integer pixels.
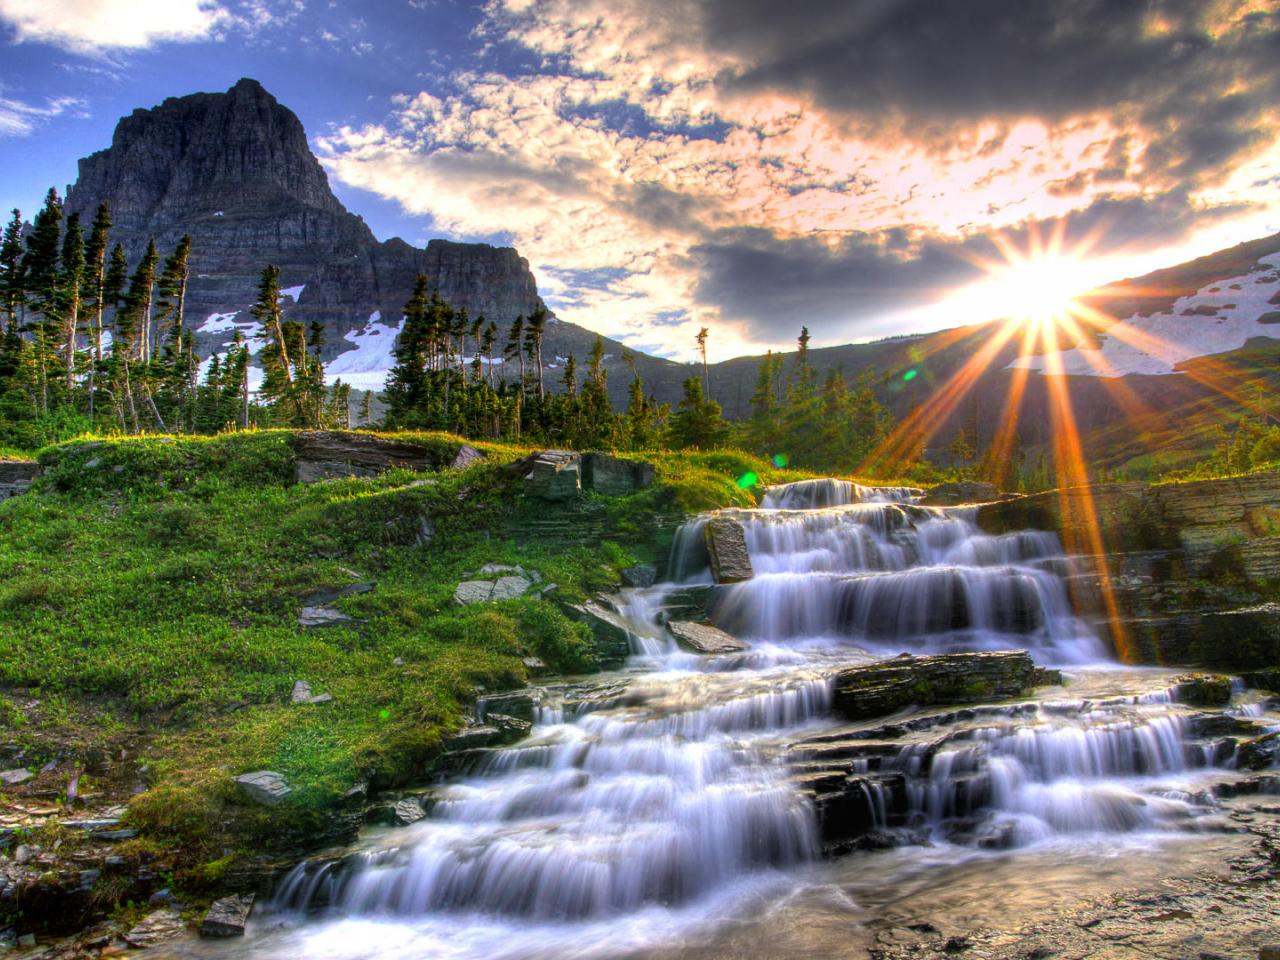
[
  {"x": 89, "y": 344},
  {"x": 93, "y": 343}
]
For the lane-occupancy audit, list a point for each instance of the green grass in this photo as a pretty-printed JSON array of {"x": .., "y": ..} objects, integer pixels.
[{"x": 152, "y": 585}]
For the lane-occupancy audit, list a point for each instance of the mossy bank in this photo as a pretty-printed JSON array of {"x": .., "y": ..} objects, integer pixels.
[{"x": 150, "y": 592}]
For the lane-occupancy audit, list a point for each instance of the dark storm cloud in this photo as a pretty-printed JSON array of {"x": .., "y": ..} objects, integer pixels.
[
  {"x": 1200, "y": 93},
  {"x": 845, "y": 292}
]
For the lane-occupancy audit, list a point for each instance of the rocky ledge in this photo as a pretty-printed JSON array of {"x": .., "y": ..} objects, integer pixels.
[
  {"x": 16, "y": 476},
  {"x": 1188, "y": 573}
]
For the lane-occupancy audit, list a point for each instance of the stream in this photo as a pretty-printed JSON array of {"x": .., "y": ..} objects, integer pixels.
[{"x": 660, "y": 811}]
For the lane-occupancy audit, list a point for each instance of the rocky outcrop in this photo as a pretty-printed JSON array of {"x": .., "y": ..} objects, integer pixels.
[
  {"x": 264, "y": 786},
  {"x": 882, "y": 688},
  {"x": 328, "y": 454},
  {"x": 615, "y": 476},
  {"x": 234, "y": 170},
  {"x": 612, "y": 639},
  {"x": 727, "y": 550},
  {"x": 16, "y": 477},
  {"x": 1188, "y": 571}
]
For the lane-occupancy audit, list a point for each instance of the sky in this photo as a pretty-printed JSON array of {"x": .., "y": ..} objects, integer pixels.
[{"x": 863, "y": 168}]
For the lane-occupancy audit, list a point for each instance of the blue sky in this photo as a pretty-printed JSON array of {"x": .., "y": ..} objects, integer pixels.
[{"x": 739, "y": 164}]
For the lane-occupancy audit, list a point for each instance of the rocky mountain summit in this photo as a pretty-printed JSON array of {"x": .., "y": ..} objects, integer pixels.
[{"x": 235, "y": 171}]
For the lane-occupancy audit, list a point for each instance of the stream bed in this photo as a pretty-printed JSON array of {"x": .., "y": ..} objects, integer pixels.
[{"x": 662, "y": 811}]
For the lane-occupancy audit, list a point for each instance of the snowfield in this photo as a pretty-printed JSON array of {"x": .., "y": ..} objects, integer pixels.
[
  {"x": 365, "y": 367},
  {"x": 1215, "y": 319}
]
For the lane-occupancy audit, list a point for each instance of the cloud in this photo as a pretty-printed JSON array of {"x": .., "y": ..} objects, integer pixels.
[
  {"x": 88, "y": 26},
  {"x": 741, "y": 163},
  {"x": 93, "y": 27},
  {"x": 19, "y": 119}
]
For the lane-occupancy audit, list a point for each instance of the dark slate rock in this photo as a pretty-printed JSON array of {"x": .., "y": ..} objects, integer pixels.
[
  {"x": 727, "y": 550},
  {"x": 614, "y": 476},
  {"x": 641, "y": 575},
  {"x": 227, "y": 917},
  {"x": 878, "y": 689}
]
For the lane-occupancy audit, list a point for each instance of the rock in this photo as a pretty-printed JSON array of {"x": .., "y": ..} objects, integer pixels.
[
  {"x": 1269, "y": 951},
  {"x": 612, "y": 638},
  {"x": 727, "y": 550},
  {"x": 1268, "y": 679},
  {"x": 264, "y": 786},
  {"x": 641, "y": 575},
  {"x": 16, "y": 477},
  {"x": 534, "y": 664},
  {"x": 960, "y": 491},
  {"x": 323, "y": 617},
  {"x": 483, "y": 591},
  {"x": 426, "y": 532},
  {"x": 156, "y": 927},
  {"x": 328, "y": 454},
  {"x": 1260, "y": 753},
  {"x": 408, "y": 811},
  {"x": 552, "y": 475},
  {"x": 879, "y": 689},
  {"x": 614, "y": 476},
  {"x": 27, "y": 941},
  {"x": 686, "y": 603},
  {"x": 502, "y": 568},
  {"x": 12, "y": 778},
  {"x": 1202, "y": 690},
  {"x": 227, "y": 917},
  {"x": 302, "y": 694},
  {"x": 466, "y": 457},
  {"x": 327, "y": 595},
  {"x": 704, "y": 638}
]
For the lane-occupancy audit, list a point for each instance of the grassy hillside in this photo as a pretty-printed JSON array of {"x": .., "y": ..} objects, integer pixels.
[{"x": 149, "y": 593}]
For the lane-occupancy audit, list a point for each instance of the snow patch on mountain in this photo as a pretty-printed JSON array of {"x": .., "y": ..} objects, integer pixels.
[
  {"x": 1217, "y": 318},
  {"x": 293, "y": 293},
  {"x": 366, "y": 366}
]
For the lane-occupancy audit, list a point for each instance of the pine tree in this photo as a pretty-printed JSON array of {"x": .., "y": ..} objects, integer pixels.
[
  {"x": 277, "y": 371},
  {"x": 12, "y": 274},
  {"x": 407, "y": 387},
  {"x": 40, "y": 266},
  {"x": 701, "y": 338},
  {"x": 514, "y": 347},
  {"x": 72, "y": 282},
  {"x": 172, "y": 290},
  {"x": 697, "y": 422},
  {"x": 95, "y": 291},
  {"x": 534, "y": 332},
  {"x": 139, "y": 300}
]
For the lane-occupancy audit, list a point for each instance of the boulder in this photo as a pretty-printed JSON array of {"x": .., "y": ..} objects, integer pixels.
[
  {"x": 704, "y": 638},
  {"x": 227, "y": 917},
  {"x": 552, "y": 475},
  {"x": 1203, "y": 690},
  {"x": 467, "y": 456},
  {"x": 16, "y": 477},
  {"x": 485, "y": 591},
  {"x": 1260, "y": 753},
  {"x": 328, "y": 454},
  {"x": 302, "y": 694},
  {"x": 613, "y": 476},
  {"x": 612, "y": 638},
  {"x": 641, "y": 575},
  {"x": 264, "y": 786},
  {"x": 727, "y": 550},
  {"x": 408, "y": 810},
  {"x": 879, "y": 689},
  {"x": 11, "y": 778},
  {"x": 961, "y": 491},
  {"x": 686, "y": 603}
]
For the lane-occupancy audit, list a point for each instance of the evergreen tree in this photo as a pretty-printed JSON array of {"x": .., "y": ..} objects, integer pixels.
[
  {"x": 95, "y": 291},
  {"x": 697, "y": 422},
  {"x": 533, "y": 333},
  {"x": 701, "y": 338},
  {"x": 72, "y": 283},
  {"x": 12, "y": 274}
]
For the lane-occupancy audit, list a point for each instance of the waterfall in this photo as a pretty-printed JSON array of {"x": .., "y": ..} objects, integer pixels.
[{"x": 684, "y": 773}]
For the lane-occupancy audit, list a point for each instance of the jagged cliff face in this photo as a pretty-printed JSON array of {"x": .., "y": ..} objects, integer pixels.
[{"x": 234, "y": 170}]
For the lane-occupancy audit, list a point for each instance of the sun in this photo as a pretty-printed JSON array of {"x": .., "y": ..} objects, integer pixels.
[
  {"x": 1037, "y": 289},
  {"x": 1034, "y": 282}
]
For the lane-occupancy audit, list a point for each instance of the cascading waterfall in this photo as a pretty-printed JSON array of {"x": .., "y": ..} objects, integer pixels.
[{"x": 682, "y": 778}]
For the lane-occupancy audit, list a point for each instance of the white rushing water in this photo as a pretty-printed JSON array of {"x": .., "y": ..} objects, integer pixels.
[{"x": 663, "y": 800}]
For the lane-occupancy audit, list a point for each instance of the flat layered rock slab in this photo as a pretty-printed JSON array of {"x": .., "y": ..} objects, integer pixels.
[
  {"x": 704, "y": 638},
  {"x": 329, "y": 454},
  {"x": 879, "y": 689}
]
